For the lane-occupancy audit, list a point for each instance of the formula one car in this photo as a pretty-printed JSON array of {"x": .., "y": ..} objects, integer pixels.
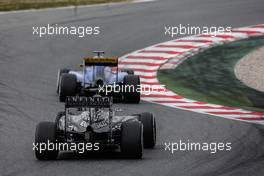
[
  {"x": 92, "y": 120},
  {"x": 97, "y": 76}
]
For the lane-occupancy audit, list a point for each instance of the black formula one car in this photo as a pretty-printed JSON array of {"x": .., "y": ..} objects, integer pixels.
[
  {"x": 91, "y": 121},
  {"x": 98, "y": 76}
]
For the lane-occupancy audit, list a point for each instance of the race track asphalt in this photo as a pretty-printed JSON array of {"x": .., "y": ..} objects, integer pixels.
[{"x": 28, "y": 68}]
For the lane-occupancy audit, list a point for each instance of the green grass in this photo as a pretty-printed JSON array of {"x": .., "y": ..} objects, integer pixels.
[
  {"x": 209, "y": 77},
  {"x": 8, "y": 5}
]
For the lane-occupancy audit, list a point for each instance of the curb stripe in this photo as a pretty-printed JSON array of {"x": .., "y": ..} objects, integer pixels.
[
  {"x": 163, "y": 96},
  {"x": 219, "y": 36},
  {"x": 145, "y": 70},
  {"x": 208, "y": 107},
  {"x": 247, "y": 32},
  {"x": 149, "y": 83},
  {"x": 155, "y": 51},
  {"x": 174, "y": 101},
  {"x": 146, "y": 57},
  {"x": 178, "y": 46},
  {"x": 237, "y": 113},
  {"x": 198, "y": 41},
  {"x": 139, "y": 63}
]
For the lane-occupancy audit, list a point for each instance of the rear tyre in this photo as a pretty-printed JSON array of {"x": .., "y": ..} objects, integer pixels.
[
  {"x": 149, "y": 128},
  {"x": 131, "y": 92},
  {"x": 60, "y": 72},
  {"x": 68, "y": 86},
  {"x": 46, "y": 134},
  {"x": 132, "y": 139},
  {"x": 128, "y": 71}
]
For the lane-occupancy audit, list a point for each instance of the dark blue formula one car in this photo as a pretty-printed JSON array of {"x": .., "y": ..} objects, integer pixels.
[{"x": 93, "y": 121}]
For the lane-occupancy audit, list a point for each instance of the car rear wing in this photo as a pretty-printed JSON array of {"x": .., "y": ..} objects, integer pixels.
[
  {"x": 112, "y": 62},
  {"x": 88, "y": 102}
]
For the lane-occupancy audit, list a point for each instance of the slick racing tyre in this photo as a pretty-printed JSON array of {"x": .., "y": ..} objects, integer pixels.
[
  {"x": 128, "y": 71},
  {"x": 131, "y": 92},
  {"x": 149, "y": 128},
  {"x": 60, "y": 72},
  {"x": 68, "y": 86},
  {"x": 132, "y": 139},
  {"x": 46, "y": 134}
]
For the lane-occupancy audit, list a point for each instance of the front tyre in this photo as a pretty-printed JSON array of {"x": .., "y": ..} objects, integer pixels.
[
  {"x": 46, "y": 135},
  {"x": 60, "y": 72},
  {"x": 131, "y": 92},
  {"x": 132, "y": 139}
]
